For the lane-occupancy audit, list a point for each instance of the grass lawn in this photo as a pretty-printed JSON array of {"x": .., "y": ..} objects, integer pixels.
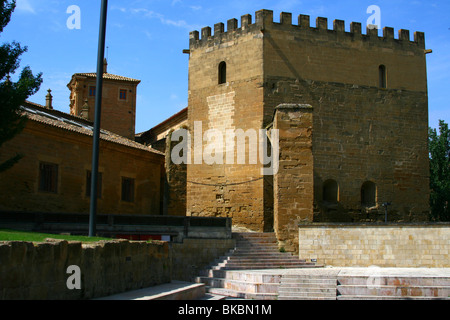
[{"x": 11, "y": 235}]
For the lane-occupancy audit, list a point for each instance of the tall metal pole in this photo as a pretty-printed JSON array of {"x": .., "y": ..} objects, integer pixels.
[{"x": 98, "y": 106}]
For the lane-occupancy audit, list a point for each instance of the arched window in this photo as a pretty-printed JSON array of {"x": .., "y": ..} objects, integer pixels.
[
  {"x": 330, "y": 191},
  {"x": 382, "y": 76},
  {"x": 222, "y": 72},
  {"x": 368, "y": 194}
]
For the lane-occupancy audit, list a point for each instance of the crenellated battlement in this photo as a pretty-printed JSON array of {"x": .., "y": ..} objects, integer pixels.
[{"x": 264, "y": 21}]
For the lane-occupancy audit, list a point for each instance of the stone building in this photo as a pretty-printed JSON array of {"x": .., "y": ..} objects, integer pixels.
[
  {"x": 54, "y": 174},
  {"x": 118, "y": 100},
  {"x": 174, "y": 183},
  {"x": 353, "y": 129},
  {"x": 350, "y": 110}
]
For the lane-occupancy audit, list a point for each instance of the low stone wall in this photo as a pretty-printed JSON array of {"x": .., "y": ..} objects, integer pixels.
[
  {"x": 384, "y": 245},
  {"x": 39, "y": 271}
]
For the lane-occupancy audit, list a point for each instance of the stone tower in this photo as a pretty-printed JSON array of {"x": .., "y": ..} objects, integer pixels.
[
  {"x": 118, "y": 101},
  {"x": 368, "y": 121}
]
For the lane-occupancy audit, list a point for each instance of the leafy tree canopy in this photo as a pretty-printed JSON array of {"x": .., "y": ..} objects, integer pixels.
[
  {"x": 13, "y": 94},
  {"x": 439, "y": 145}
]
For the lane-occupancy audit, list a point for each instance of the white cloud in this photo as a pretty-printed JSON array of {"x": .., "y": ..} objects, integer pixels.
[
  {"x": 155, "y": 15},
  {"x": 174, "y": 2},
  {"x": 24, "y": 6}
]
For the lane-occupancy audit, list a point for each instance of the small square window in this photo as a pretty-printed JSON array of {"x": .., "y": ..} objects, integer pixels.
[
  {"x": 48, "y": 177},
  {"x": 123, "y": 95},
  {"x": 92, "y": 91},
  {"x": 89, "y": 181},
  {"x": 127, "y": 189}
]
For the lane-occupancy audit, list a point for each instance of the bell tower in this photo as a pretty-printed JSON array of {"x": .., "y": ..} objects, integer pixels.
[{"x": 118, "y": 100}]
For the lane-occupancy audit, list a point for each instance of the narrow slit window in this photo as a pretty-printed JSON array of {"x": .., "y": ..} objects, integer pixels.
[
  {"x": 222, "y": 72},
  {"x": 383, "y": 77}
]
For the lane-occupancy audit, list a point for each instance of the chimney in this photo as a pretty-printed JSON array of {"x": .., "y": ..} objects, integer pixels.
[
  {"x": 49, "y": 100},
  {"x": 85, "y": 110},
  {"x": 105, "y": 66}
]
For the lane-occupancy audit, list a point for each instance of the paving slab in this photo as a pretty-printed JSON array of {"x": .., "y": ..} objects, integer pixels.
[{"x": 176, "y": 290}]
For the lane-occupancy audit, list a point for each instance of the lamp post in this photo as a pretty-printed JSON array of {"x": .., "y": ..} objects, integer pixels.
[{"x": 98, "y": 106}]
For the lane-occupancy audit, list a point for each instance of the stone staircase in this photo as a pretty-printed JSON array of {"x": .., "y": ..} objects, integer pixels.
[
  {"x": 310, "y": 287},
  {"x": 232, "y": 275}
]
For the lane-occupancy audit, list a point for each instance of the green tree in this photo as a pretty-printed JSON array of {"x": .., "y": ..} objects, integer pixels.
[
  {"x": 439, "y": 145},
  {"x": 13, "y": 94}
]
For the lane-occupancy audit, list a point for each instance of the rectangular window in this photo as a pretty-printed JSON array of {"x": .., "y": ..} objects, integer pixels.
[
  {"x": 123, "y": 95},
  {"x": 89, "y": 181},
  {"x": 48, "y": 177},
  {"x": 127, "y": 189},
  {"x": 92, "y": 91}
]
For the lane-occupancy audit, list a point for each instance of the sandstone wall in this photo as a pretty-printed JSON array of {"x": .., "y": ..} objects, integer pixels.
[
  {"x": 365, "y": 134},
  {"x": 193, "y": 255},
  {"x": 72, "y": 152},
  {"x": 118, "y": 115},
  {"x": 359, "y": 245},
  {"x": 229, "y": 190},
  {"x": 175, "y": 182},
  {"x": 293, "y": 183},
  {"x": 39, "y": 271},
  {"x": 361, "y": 132}
]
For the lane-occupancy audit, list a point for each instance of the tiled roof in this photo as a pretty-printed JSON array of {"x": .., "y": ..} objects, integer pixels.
[
  {"x": 65, "y": 121},
  {"x": 108, "y": 76}
]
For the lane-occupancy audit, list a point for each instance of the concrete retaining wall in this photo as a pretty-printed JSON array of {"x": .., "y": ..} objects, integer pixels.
[{"x": 392, "y": 245}]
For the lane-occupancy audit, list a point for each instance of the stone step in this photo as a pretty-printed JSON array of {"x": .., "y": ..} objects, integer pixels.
[
  {"x": 257, "y": 266},
  {"x": 212, "y": 297},
  {"x": 243, "y": 295},
  {"x": 263, "y": 260},
  {"x": 250, "y": 247},
  {"x": 244, "y": 286},
  {"x": 315, "y": 284},
  {"x": 242, "y": 276},
  {"x": 254, "y": 251},
  {"x": 394, "y": 280},
  {"x": 311, "y": 287},
  {"x": 176, "y": 290},
  {"x": 397, "y": 291},
  {"x": 249, "y": 235},
  {"x": 260, "y": 253},
  {"x": 305, "y": 298},
  {"x": 388, "y": 298},
  {"x": 314, "y": 292},
  {"x": 304, "y": 279},
  {"x": 308, "y": 293}
]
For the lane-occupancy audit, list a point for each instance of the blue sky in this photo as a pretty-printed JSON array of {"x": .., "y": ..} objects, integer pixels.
[{"x": 146, "y": 39}]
